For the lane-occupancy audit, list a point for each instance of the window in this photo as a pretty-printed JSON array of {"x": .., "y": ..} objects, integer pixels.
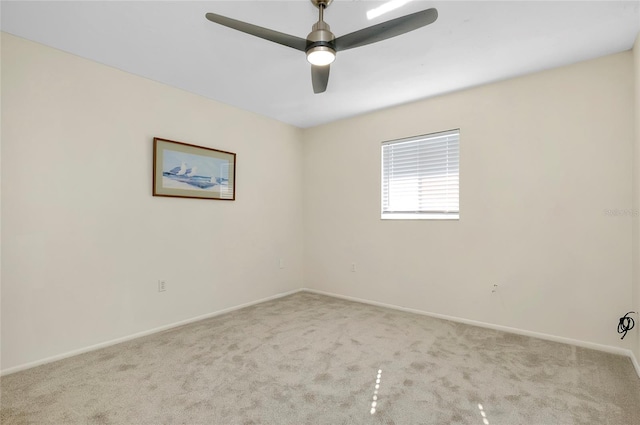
[{"x": 420, "y": 177}]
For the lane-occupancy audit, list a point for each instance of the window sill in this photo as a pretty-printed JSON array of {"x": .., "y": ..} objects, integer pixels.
[{"x": 425, "y": 216}]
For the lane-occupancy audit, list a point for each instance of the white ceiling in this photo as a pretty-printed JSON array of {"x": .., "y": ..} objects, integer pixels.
[{"x": 471, "y": 43}]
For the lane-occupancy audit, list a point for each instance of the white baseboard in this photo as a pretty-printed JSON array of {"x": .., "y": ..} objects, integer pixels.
[
  {"x": 138, "y": 335},
  {"x": 548, "y": 337}
]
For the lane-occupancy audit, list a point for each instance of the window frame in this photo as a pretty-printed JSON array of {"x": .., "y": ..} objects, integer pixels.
[{"x": 418, "y": 215}]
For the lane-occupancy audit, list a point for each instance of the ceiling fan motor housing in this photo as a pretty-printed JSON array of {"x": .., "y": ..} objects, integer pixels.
[{"x": 320, "y": 37}]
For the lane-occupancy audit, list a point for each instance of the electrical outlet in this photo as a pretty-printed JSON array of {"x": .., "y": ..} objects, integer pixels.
[
  {"x": 281, "y": 263},
  {"x": 162, "y": 285},
  {"x": 353, "y": 267}
]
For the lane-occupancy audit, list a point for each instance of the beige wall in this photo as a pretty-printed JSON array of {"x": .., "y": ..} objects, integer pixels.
[
  {"x": 636, "y": 200},
  {"x": 542, "y": 158},
  {"x": 84, "y": 242}
]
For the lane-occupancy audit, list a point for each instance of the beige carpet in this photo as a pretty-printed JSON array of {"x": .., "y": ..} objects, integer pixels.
[{"x": 311, "y": 359}]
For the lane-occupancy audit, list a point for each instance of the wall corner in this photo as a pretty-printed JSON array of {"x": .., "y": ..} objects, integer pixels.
[{"x": 636, "y": 199}]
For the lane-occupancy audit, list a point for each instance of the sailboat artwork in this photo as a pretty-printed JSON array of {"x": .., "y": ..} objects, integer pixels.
[
  {"x": 182, "y": 172},
  {"x": 188, "y": 175}
]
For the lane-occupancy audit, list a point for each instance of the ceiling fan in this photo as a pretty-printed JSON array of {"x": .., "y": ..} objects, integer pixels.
[{"x": 321, "y": 45}]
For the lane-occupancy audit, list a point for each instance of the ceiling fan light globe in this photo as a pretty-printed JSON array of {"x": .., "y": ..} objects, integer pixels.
[{"x": 321, "y": 56}]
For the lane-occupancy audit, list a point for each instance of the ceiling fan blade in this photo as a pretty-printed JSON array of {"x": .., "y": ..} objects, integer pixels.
[
  {"x": 320, "y": 78},
  {"x": 265, "y": 33},
  {"x": 386, "y": 30}
]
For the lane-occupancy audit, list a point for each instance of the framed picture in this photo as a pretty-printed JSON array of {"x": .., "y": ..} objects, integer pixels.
[{"x": 187, "y": 171}]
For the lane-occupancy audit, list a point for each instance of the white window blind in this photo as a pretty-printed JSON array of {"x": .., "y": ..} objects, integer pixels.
[{"x": 420, "y": 176}]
